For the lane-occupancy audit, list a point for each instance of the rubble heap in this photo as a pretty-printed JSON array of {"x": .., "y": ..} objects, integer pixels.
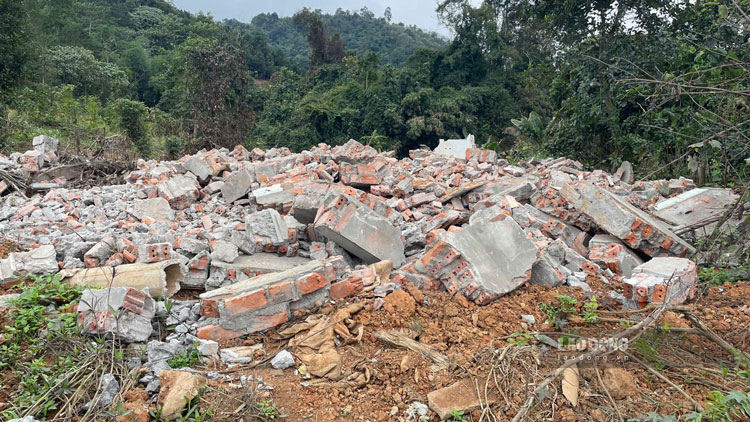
[{"x": 264, "y": 233}]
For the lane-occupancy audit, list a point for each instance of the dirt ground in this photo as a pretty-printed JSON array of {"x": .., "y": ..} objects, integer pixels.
[{"x": 473, "y": 335}]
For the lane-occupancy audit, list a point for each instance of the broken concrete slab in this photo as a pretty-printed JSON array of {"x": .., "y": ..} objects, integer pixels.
[
  {"x": 454, "y": 147},
  {"x": 268, "y": 228},
  {"x": 261, "y": 263},
  {"x": 695, "y": 207},
  {"x": 224, "y": 251},
  {"x": 180, "y": 191},
  {"x": 631, "y": 225},
  {"x": 199, "y": 168},
  {"x": 482, "y": 274},
  {"x": 360, "y": 231},
  {"x": 238, "y": 184},
  {"x": 616, "y": 257},
  {"x": 274, "y": 194},
  {"x": 121, "y": 312},
  {"x": 662, "y": 279},
  {"x": 154, "y": 208},
  {"x": 264, "y": 301},
  {"x": 42, "y": 260}
]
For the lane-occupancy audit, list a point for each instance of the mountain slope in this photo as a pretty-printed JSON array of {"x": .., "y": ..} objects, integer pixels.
[{"x": 361, "y": 32}]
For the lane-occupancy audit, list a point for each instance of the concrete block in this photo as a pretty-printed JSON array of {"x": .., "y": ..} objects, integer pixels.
[
  {"x": 268, "y": 228},
  {"x": 42, "y": 260},
  {"x": 224, "y": 251},
  {"x": 454, "y": 147},
  {"x": 360, "y": 231},
  {"x": 353, "y": 152},
  {"x": 695, "y": 206},
  {"x": 180, "y": 191},
  {"x": 483, "y": 273},
  {"x": 238, "y": 184},
  {"x": 661, "y": 279},
  {"x": 199, "y": 168},
  {"x": 634, "y": 227},
  {"x": 264, "y": 301},
  {"x": 120, "y": 312},
  {"x": 154, "y": 208}
]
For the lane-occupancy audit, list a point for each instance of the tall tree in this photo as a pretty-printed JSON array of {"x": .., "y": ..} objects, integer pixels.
[
  {"x": 323, "y": 50},
  {"x": 13, "y": 41},
  {"x": 218, "y": 88}
]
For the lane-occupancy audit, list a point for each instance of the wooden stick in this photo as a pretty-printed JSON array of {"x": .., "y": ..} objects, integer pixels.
[{"x": 398, "y": 339}]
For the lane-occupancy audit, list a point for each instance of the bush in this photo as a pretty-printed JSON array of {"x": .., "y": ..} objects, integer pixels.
[
  {"x": 173, "y": 147},
  {"x": 133, "y": 121}
]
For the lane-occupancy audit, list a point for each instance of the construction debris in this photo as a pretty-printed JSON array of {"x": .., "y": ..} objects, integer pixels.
[
  {"x": 120, "y": 312},
  {"x": 321, "y": 245},
  {"x": 266, "y": 233},
  {"x": 160, "y": 279}
]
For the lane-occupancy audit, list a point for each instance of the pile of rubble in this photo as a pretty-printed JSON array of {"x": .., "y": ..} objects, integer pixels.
[{"x": 265, "y": 233}]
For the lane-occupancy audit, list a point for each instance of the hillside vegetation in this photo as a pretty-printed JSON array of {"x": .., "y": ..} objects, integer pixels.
[
  {"x": 362, "y": 32},
  {"x": 661, "y": 84}
]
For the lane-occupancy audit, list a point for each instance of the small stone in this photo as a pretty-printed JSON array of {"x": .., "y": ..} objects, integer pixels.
[
  {"x": 620, "y": 383},
  {"x": 208, "y": 347},
  {"x": 283, "y": 360}
]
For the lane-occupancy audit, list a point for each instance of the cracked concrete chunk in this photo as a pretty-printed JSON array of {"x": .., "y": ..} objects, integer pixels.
[
  {"x": 119, "y": 311},
  {"x": 360, "y": 231}
]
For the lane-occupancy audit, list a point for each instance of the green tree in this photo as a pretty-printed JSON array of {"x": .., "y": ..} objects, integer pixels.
[
  {"x": 217, "y": 85},
  {"x": 77, "y": 66},
  {"x": 14, "y": 48},
  {"x": 132, "y": 119}
]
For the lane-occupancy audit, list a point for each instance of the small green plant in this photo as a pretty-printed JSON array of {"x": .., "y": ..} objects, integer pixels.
[
  {"x": 559, "y": 311},
  {"x": 186, "y": 358},
  {"x": 735, "y": 405},
  {"x": 590, "y": 314},
  {"x": 168, "y": 304},
  {"x": 191, "y": 413},
  {"x": 648, "y": 346},
  {"x": 520, "y": 338},
  {"x": 457, "y": 416},
  {"x": 37, "y": 321},
  {"x": 417, "y": 326},
  {"x": 711, "y": 276},
  {"x": 268, "y": 410}
]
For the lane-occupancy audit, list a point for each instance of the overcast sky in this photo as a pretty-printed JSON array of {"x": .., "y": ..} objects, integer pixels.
[{"x": 411, "y": 12}]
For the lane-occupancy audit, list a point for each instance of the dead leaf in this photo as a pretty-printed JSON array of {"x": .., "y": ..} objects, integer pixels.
[{"x": 570, "y": 384}]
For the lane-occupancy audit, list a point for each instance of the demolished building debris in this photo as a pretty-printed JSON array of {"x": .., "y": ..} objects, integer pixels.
[{"x": 264, "y": 233}]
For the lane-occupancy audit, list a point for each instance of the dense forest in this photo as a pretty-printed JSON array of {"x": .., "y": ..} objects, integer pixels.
[
  {"x": 660, "y": 83},
  {"x": 361, "y": 32}
]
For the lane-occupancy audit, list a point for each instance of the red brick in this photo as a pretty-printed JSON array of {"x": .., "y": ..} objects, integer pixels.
[
  {"x": 216, "y": 333},
  {"x": 667, "y": 243},
  {"x": 282, "y": 292},
  {"x": 311, "y": 283},
  {"x": 347, "y": 287},
  {"x": 264, "y": 322},
  {"x": 647, "y": 230},
  {"x": 248, "y": 302},
  {"x": 631, "y": 240},
  {"x": 209, "y": 309}
]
